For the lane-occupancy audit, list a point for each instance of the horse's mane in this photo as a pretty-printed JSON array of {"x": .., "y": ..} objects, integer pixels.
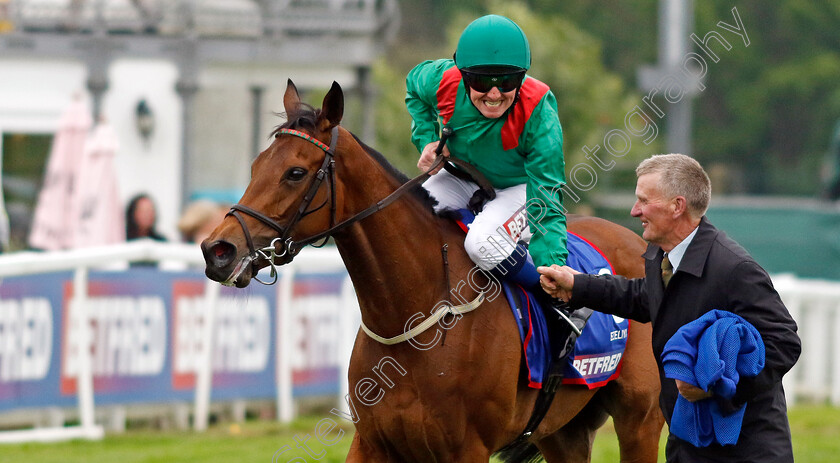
[{"x": 305, "y": 117}]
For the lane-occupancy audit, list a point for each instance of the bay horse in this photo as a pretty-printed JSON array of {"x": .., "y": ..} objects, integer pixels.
[{"x": 466, "y": 397}]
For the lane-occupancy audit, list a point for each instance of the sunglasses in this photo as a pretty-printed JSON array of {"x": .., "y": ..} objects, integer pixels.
[{"x": 483, "y": 83}]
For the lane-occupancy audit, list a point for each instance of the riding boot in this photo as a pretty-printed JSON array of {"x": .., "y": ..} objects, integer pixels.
[
  {"x": 519, "y": 268},
  {"x": 571, "y": 324}
]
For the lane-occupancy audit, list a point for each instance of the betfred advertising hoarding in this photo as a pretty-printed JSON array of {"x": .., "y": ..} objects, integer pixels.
[{"x": 146, "y": 338}]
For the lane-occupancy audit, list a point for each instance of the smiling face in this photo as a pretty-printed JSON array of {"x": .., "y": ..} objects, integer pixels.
[
  {"x": 494, "y": 103},
  {"x": 656, "y": 211}
]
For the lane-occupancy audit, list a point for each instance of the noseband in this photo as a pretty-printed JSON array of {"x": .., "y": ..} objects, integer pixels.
[{"x": 289, "y": 248}]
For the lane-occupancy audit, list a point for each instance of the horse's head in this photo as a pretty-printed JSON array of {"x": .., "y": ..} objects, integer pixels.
[{"x": 291, "y": 195}]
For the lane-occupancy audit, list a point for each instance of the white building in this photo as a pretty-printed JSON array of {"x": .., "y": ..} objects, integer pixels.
[{"x": 212, "y": 73}]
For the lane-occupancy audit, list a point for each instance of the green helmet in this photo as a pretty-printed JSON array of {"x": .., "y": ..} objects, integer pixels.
[{"x": 493, "y": 41}]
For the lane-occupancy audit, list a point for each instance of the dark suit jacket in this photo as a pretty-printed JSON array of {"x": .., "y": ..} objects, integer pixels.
[{"x": 715, "y": 273}]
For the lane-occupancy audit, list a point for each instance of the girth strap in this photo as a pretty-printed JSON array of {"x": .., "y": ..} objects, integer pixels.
[
  {"x": 576, "y": 321},
  {"x": 427, "y": 323}
]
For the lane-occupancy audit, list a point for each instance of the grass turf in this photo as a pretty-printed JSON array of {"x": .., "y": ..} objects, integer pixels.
[{"x": 815, "y": 439}]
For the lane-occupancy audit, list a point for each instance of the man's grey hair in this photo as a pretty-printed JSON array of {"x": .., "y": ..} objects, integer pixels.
[{"x": 682, "y": 176}]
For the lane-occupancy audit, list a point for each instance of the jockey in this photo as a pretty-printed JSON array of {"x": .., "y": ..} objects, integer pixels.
[{"x": 505, "y": 124}]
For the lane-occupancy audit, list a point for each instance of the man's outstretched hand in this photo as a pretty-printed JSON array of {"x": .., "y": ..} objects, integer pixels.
[{"x": 557, "y": 281}]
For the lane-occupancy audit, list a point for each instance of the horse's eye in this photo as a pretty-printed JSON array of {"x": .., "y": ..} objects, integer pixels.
[{"x": 295, "y": 174}]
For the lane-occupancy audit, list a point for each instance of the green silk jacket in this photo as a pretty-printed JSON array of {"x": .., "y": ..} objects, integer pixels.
[{"x": 525, "y": 146}]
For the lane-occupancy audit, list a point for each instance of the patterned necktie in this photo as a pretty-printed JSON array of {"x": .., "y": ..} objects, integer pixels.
[{"x": 667, "y": 270}]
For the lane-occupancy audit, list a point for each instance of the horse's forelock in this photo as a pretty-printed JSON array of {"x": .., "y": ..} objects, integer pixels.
[{"x": 303, "y": 117}]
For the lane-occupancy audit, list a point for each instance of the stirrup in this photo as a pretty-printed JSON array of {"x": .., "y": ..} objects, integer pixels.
[
  {"x": 577, "y": 321},
  {"x": 561, "y": 308}
]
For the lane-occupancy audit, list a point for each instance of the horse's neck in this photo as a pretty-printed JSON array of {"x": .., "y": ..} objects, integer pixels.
[{"x": 395, "y": 260}]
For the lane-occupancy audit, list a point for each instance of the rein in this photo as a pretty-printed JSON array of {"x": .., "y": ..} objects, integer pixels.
[
  {"x": 290, "y": 248},
  {"x": 270, "y": 252}
]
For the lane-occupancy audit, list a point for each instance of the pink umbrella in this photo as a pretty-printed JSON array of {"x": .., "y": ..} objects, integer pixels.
[
  {"x": 97, "y": 207},
  {"x": 51, "y": 222}
]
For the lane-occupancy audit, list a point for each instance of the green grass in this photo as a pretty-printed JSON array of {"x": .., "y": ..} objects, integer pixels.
[
  {"x": 816, "y": 439},
  {"x": 816, "y": 434},
  {"x": 247, "y": 442}
]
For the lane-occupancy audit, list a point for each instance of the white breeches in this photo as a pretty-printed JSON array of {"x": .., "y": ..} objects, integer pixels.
[{"x": 495, "y": 230}]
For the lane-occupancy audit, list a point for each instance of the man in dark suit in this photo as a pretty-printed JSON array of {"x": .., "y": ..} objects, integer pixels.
[{"x": 691, "y": 268}]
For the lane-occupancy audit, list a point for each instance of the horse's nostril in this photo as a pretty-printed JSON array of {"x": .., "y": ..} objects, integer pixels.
[
  {"x": 219, "y": 254},
  {"x": 220, "y": 251}
]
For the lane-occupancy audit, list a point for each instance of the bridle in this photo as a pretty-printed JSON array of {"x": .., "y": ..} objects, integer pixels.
[{"x": 290, "y": 248}]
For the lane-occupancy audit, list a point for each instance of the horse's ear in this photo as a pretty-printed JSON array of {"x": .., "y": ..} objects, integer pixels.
[
  {"x": 332, "y": 110},
  {"x": 291, "y": 100}
]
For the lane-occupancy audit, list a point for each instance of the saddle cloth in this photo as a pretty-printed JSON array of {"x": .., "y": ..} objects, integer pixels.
[
  {"x": 596, "y": 358},
  {"x": 597, "y": 355}
]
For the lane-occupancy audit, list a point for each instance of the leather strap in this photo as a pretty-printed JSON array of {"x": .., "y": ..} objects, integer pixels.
[
  {"x": 466, "y": 171},
  {"x": 427, "y": 323},
  {"x": 372, "y": 209}
]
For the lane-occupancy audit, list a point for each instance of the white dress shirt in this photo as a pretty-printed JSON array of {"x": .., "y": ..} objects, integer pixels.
[{"x": 676, "y": 254}]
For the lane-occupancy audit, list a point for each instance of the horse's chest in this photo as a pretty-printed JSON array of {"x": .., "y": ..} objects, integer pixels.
[
  {"x": 407, "y": 411},
  {"x": 407, "y": 429}
]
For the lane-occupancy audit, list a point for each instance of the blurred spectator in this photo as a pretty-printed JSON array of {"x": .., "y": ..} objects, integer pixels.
[
  {"x": 199, "y": 219},
  {"x": 141, "y": 218}
]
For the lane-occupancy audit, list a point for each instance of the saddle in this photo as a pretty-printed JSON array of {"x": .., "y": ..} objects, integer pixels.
[
  {"x": 550, "y": 333},
  {"x": 591, "y": 357}
]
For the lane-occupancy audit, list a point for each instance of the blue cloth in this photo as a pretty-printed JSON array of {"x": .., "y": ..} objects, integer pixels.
[
  {"x": 533, "y": 332},
  {"x": 585, "y": 257},
  {"x": 598, "y": 352},
  {"x": 712, "y": 353},
  {"x": 596, "y": 358}
]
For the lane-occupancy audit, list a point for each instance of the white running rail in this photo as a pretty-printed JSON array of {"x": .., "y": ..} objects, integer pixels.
[{"x": 168, "y": 255}]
